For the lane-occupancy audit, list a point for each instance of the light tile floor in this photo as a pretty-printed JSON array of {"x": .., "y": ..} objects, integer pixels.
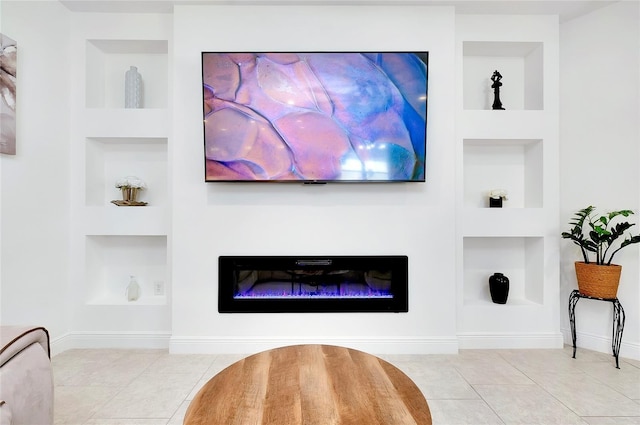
[{"x": 152, "y": 387}]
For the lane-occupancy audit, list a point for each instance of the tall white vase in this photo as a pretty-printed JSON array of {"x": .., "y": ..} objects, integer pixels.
[{"x": 132, "y": 88}]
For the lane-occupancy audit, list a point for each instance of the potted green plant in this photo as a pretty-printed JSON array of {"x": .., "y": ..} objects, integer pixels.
[{"x": 599, "y": 237}]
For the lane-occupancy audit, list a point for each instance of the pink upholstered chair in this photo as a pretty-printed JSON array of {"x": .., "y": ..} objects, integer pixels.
[{"x": 26, "y": 379}]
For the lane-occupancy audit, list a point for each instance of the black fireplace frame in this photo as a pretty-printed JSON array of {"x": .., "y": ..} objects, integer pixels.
[{"x": 228, "y": 267}]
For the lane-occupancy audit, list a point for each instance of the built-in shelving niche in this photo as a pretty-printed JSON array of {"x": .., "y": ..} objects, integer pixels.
[
  {"x": 521, "y": 259},
  {"x": 108, "y": 60},
  {"x": 111, "y": 260},
  {"x": 519, "y": 63},
  {"x": 511, "y": 164},
  {"x": 111, "y": 158}
]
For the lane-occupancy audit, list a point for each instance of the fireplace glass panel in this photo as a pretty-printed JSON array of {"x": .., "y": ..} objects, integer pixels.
[{"x": 313, "y": 284}]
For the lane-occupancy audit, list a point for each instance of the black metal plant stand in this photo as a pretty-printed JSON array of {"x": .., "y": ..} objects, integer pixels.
[{"x": 618, "y": 321}]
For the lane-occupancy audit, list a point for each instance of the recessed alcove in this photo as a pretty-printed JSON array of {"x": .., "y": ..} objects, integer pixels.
[
  {"x": 521, "y": 259},
  {"x": 111, "y": 158},
  {"x": 519, "y": 63},
  {"x": 515, "y": 165},
  {"x": 111, "y": 260},
  {"x": 108, "y": 60}
]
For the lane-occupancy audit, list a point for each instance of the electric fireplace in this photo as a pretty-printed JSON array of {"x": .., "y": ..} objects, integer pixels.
[{"x": 280, "y": 284}]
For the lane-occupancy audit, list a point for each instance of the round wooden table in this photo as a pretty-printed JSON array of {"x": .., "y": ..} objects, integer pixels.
[{"x": 310, "y": 385}]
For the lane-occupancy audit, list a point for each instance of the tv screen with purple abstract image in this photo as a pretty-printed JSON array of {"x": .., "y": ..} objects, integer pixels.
[{"x": 315, "y": 116}]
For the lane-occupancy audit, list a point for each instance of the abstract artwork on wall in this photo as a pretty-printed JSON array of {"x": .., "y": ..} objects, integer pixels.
[{"x": 8, "y": 60}]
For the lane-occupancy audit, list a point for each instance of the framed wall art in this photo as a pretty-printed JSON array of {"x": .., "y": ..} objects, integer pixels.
[{"x": 8, "y": 62}]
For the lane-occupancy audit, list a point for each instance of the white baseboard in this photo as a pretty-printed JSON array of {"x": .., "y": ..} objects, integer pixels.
[
  {"x": 125, "y": 340},
  {"x": 629, "y": 350},
  {"x": 214, "y": 345},
  {"x": 510, "y": 340}
]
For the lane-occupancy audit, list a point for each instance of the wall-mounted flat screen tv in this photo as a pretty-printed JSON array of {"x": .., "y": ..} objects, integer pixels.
[{"x": 315, "y": 117}]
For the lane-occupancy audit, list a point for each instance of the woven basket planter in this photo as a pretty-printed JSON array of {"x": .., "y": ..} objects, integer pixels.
[{"x": 598, "y": 281}]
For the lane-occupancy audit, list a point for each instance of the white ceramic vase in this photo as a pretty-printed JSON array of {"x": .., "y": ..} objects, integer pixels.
[{"x": 132, "y": 88}]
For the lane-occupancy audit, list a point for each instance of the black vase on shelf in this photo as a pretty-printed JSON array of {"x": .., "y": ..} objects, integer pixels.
[
  {"x": 495, "y": 202},
  {"x": 499, "y": 288}
]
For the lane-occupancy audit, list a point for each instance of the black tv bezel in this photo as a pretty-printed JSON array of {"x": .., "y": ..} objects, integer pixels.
[
  {"x": 399, "y": 303},
  {"x": 318, "y": 181}
]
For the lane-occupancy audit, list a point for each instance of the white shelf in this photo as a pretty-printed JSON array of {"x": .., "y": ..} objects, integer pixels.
[
  {"x": 114, "y": 220},
  {"x": 515, "y": 324},
  {"x": 521, "y": 259},
  {"x": 108, "y": 159},
  {"x": 511, "y": 164},
  {"x": 112, "y": 299},
  {"x": 519, "y": 63},
  {"x": 513, "y": 149},
  {"x": 110, "y": 141},
  {"x": 111, "y": 260},
  {"x": 124, "y": 241},
  {"x": 126, "y": 123},
  {"x": 503, "y": 222},
  {"x": 504, "y": 125},
  {"x": 512, "y": 305},
  {"x": 108, "y": 60}
]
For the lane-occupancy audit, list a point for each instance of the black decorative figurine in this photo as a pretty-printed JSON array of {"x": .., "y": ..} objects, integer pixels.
[{"x": 496, "y": 77}]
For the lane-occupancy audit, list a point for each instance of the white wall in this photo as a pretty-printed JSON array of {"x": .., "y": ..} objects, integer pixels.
[
  {"x": 599, "y": 142},
  {"x": 599, "y": 106},
  {"x": 412, "y": 219},
  {"x": 35, "y": 182}
]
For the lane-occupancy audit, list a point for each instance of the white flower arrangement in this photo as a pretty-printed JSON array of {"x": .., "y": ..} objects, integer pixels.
[
  {"x": 132, "y": 182},
  {"x": 498, "y": 194}
]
